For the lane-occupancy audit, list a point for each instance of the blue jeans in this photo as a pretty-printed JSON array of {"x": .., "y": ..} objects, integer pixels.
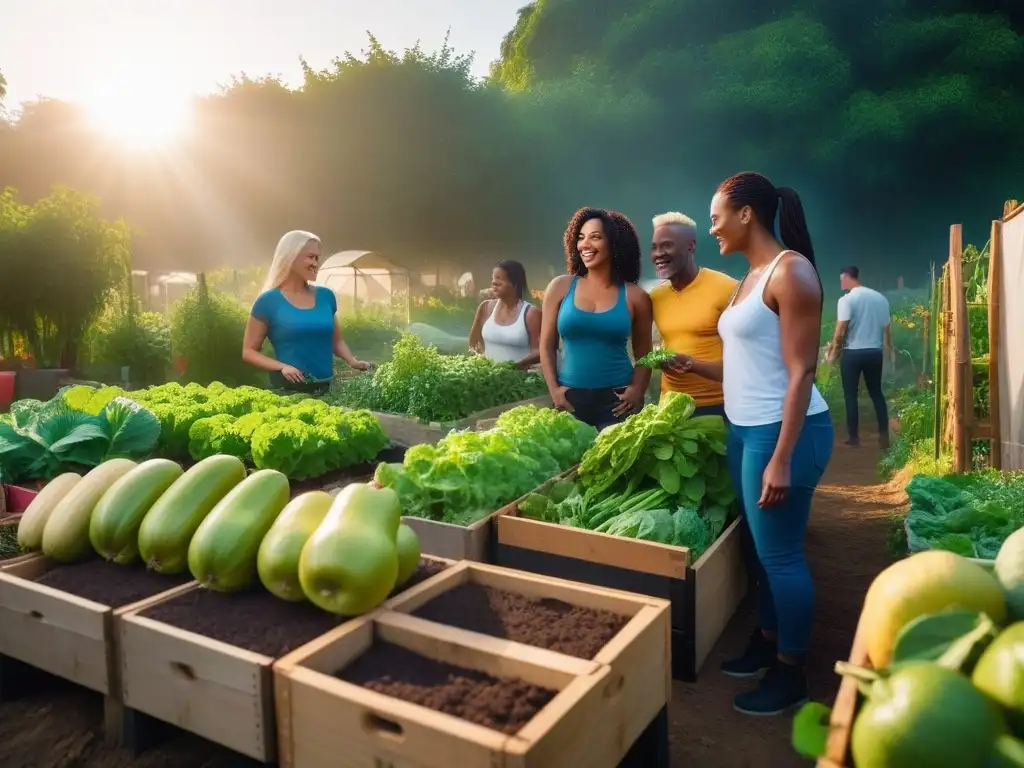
[{"x": 777, "y": 560}]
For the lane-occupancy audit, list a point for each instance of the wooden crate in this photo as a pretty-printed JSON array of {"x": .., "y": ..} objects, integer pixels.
[
  {"x": 844, "y": 711},
  {"x": 407, "y": 431},
  {"x": 704, "y": 593},
  {"x": 213, "y": 689},
  {"x": 65, "y": 635},
  {"x": 602, "y": 707},
  {"x": 13, "y": 520},
  {"x": 465, "y": 542}
]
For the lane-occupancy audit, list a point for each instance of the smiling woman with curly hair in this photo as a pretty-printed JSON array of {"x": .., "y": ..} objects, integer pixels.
[{"x": 595, "y": 310}]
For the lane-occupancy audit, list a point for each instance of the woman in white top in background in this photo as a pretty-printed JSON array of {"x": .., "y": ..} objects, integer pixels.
[
  {"x": 506, "y": 329},
  {"x": 780, "y": 430}
]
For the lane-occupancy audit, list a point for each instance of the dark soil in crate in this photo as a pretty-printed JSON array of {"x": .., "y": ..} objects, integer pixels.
[
  {"x": 109, "y": 583},
  {"x": 543, "y": 623},
  {"x": 502, "y": 704},
  {"x": 256, "y": 620},
  {"x": 358, "y": 473},
  {"x": 9, "y": 547}
]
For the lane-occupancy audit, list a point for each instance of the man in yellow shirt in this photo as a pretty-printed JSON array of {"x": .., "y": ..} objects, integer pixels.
[{"x": 686, "y": 311}]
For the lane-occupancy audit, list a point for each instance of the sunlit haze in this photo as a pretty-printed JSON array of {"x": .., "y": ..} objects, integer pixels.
[
  {"x": 105, "y": 54},
  {"x": 138, "y": 116}
]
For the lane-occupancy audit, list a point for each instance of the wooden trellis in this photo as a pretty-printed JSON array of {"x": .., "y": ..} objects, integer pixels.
[{"x": 958, "y": 425}]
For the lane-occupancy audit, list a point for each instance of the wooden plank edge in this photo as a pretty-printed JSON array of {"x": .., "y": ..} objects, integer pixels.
[
  {"x": 844, "y": 709},
  {"x": 18, "y": 582},
  {"x": 634, "y": 598},
  {"x": 733, "y": 529},
  {"x": 426, "y": 590},
  {"x": 134, "y": 620},
  {"x": 630, "y": 554},
  {"x": 396, "y": 710},
  {"x": 507, "y": 649}
]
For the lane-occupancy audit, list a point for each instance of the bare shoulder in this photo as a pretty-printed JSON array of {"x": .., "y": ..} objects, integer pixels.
[
  {"x": 558, "y": 287},
  {"x": 795, "y": 275},
  {"x": 485, "y": 306},
  {"x": 637, "y": 296}
]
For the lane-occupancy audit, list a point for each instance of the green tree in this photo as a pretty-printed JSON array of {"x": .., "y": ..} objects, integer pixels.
[{"x": 59, "y": 262}]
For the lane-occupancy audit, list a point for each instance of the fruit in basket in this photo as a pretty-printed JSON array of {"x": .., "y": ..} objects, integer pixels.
[
  {"x": 926, "y": 715},
  {"x": 408, "y": 545},
  {"x": 999, "y": 674},
  {"x": 927, "y": 582},
  {"x": 32, "y": 523},
  {"x": 115, "y": 521},
  {"x": 168, "y": 527},
  {"x": 1009, "y": 570},
  {"x": 224, "y": 550},
  {"x": 278, "y": 558},
  {"x": 350, "y": 564},
  {"x": 66, "y": 533}
]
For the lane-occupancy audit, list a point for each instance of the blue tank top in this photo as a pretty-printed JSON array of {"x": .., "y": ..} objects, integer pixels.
[{"x": 594, "y": 352}]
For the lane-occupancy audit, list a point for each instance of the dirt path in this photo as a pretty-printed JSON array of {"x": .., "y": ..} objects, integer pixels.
[
  {"x": 61, "y": 727},
  {"x": 846, "y": 547}
]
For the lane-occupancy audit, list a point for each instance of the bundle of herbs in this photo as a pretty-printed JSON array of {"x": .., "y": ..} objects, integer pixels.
[{"x": 660, "y": 476}]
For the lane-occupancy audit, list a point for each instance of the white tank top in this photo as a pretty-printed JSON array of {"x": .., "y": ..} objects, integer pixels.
[
  {"x": 754, "y": 375},
  {"x": 506, "y": 343}
]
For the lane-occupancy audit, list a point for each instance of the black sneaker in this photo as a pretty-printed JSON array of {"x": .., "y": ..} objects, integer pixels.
[
  {"x": 783, "y": 687},
  {"x": 883, "y": 442},
  {"x": 759, "y": 656},
  {"x": 853, "y": 442}
]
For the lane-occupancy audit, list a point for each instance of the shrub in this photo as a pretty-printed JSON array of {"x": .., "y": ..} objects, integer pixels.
[
  {"x": 141, "y": 341},
  {"x": 206, "y": 333}
]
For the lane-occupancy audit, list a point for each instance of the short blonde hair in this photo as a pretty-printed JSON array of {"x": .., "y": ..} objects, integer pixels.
[{"x": 673, "y": 217}]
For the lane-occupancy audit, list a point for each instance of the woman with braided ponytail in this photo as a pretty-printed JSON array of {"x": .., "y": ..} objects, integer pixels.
[{"x": 780, "y": 432}]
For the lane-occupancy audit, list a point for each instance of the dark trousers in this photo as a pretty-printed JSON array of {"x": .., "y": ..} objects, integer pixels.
[
  {"x": 594, "y": 406},
  {"x": 866, "y": 363},
  {"x": 710, "y": 410}
]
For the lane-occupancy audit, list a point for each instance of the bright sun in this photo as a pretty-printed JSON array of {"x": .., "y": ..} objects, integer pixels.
[{"x": 139, "y": 120}]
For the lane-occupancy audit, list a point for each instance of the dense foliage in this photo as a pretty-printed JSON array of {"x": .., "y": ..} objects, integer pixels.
[
  {"x": 854, "y": 104},
  {"x": 40, "y": 440},
  {"x": 206, "y": 334},
  {"x": 660, "y": 475},
  {"x": 470, "y": 474},
  {"x": 59, "y": 263},
  {"x": 421, "y": 382},
  {"x": 139, "y": 340},
  {"x": 296, "y": 435},
  {"x": 970, "y": 514}
]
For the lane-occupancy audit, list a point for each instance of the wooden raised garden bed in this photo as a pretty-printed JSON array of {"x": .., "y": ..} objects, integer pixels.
[
  {"x": 9, "y": 554},
  {"x": 407, "y": 431},
  {"x": 704, "y": 593},
  {"x": 465, "y": 542},
  {"x": 563, "y": 674},
  {"x": 63, "y": 619},
  {"x": 202, "y": 662},
  {"x": 844, "y": 711}
]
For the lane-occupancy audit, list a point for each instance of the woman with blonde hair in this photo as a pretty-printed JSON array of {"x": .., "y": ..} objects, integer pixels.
[{"x": 299, "y": 319}]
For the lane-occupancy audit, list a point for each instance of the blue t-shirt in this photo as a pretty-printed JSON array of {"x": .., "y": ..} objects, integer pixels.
[{"x": 303, "y": 338}]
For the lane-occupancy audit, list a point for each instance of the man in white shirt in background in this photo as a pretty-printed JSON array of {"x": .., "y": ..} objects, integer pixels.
[{"x": 864, "y": 336}]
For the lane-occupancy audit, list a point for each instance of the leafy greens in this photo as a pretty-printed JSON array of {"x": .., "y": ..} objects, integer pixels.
[
  {"x": 470, "y": 474},
  {"x": 40, "y": 440},
  {"x": 970, "y": 514}
]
